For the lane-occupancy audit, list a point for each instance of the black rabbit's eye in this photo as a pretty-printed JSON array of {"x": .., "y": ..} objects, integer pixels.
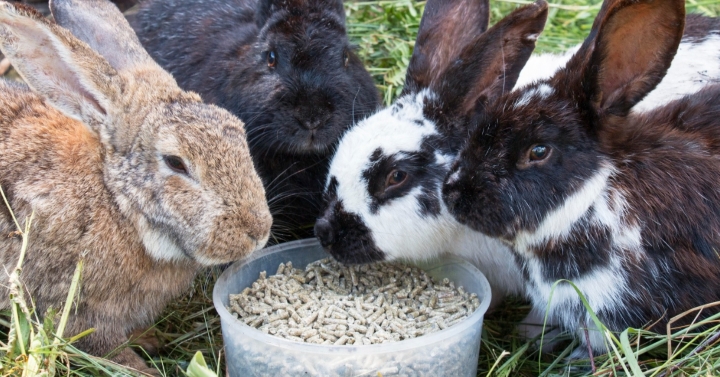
[
  {"x": 346, "y": 59},
  {"x": 395, "y": 178},
  {"x": 175, "y": 164},
  {"x": 271, "y": 59},
  {"x": 539, "y": 152}
]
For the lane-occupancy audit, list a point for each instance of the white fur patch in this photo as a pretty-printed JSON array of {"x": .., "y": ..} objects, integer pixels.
[
  {"x": 604, "y": 286},
  {"x": 159, "y": 246},
  {"x": 454, "y": 177},
  {"x": 542, "y": 91},
  {"x": 401, "y": 231},
  {"x": 559, "y": 223},
  {"x": 543, "y": 66},
  {"x": 694, "y": 67},
  {"x": 610, "y": 211}
]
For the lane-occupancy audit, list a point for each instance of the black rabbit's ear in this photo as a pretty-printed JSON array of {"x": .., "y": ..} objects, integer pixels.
[
  {"x": 627, "y": 54},
  {"x": 266, "y": 8},
  {"x": 447, "y": 26}
]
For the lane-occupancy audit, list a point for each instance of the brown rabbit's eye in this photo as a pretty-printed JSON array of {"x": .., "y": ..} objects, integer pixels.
[
  {"x": 175, "y": 164},
  {"x": 395, "y": 178},
  {"x": 346, "y": 58},
  {"x": 271, "y": 59},
  {"x": 539, "y": 152}
]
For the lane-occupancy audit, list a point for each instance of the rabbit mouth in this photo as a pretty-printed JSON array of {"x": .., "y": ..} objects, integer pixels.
[
  {"x": 346, "y": 237},
  {"x": 313, "y": 142}
]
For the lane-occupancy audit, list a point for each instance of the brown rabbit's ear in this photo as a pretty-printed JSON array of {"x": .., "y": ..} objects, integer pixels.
[
  {"x": 65, "y": 71},
  {"x": 446, "y": 27},
  {"x": 632, "y": 45},
  {"x": 100, "y": 24},
  {"x": 490, "y": 65}
]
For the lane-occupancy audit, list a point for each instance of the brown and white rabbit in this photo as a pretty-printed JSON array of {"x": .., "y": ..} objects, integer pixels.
[
  {"x": 121, "y": 168},
  {"x": 286, "y": 68},
  {"x": 626, "y": 206}
]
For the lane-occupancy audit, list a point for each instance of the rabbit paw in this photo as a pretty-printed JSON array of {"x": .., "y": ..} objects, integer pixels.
[
  {"x": 127, "y": 357},
  {"x": 147, "y": 339}
]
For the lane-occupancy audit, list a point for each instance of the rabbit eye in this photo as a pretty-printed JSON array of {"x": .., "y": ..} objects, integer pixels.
[
  {"x": 175, "y": 164},
  {"x": 271, "y": 59},
  {"x": 346, "y": 59},
  {"x": 539, "y": 152},
  {"x": 396, "y": 177}
]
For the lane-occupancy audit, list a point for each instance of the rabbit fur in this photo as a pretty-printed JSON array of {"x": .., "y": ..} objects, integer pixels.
[
  {"x": 294, "y": 111},
  {"x": 625, "y": 205},
  {"x": 121, "y": 168}
]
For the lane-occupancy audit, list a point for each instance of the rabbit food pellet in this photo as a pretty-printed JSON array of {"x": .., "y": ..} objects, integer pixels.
[{"x": 329, "y": 303}]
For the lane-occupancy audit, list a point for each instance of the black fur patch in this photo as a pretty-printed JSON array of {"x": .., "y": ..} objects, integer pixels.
[
  {"x": 577, "y": 257},
  {"x": 422, "y": 171},
  {"x": 698, "y": 28},
  {"x": 348, "y": 239}
]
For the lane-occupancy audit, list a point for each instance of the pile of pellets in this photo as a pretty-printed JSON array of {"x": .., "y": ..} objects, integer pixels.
[{"x": 329, "y": 303}]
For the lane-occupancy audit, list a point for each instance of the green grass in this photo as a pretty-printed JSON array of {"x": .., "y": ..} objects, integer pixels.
[{"x": 384, "y": 32}]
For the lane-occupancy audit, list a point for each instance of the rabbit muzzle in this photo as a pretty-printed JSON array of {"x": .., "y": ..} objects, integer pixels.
[{"x": 346, "y": 237}]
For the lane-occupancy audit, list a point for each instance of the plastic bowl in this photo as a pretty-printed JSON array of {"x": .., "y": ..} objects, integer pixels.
[{"x": 250, "y": 352}]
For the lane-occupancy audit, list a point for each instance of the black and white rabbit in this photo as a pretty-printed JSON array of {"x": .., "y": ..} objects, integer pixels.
[
  {"x": 285, "y": 67},
  {"x": 367, "y": 219},
  {"x": 626, "y": 206}
]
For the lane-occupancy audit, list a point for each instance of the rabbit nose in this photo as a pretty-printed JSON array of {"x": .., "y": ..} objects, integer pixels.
[{"x": 324, "y": 232}]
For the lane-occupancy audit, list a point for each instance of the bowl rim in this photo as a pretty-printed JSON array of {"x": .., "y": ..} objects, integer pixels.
[{"x": 401, "y": 345}]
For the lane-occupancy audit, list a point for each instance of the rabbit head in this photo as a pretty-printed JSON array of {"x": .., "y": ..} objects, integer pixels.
[
  {"x": 318, "y": 86},
  {"x": 382, "y": 199},
  {"x": 179, "y": 169},
  {"x": 538, "y": 146}
]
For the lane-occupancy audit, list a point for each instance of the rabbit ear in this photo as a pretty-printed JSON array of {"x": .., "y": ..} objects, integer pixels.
[
  {"x": 490, "y": 65},
  {"x": 65, "y": 71},
  {"x": 632, "y": 45},
  {"x": 100, "y": 24},
  {"x": 446, "y": 27}
]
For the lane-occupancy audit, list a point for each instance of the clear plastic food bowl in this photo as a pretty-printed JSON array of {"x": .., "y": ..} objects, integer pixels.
[{"x": 250, "y": 352}]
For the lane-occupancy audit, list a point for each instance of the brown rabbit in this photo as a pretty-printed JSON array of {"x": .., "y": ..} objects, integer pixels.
[{"x": 121, "y": 168}]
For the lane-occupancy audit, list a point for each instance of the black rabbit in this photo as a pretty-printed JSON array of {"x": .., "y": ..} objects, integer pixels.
[{"x": 285, "y": 68}]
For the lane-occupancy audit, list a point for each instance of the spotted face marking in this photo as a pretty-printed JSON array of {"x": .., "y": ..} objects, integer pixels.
[{"x": 386, "y": 177}]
